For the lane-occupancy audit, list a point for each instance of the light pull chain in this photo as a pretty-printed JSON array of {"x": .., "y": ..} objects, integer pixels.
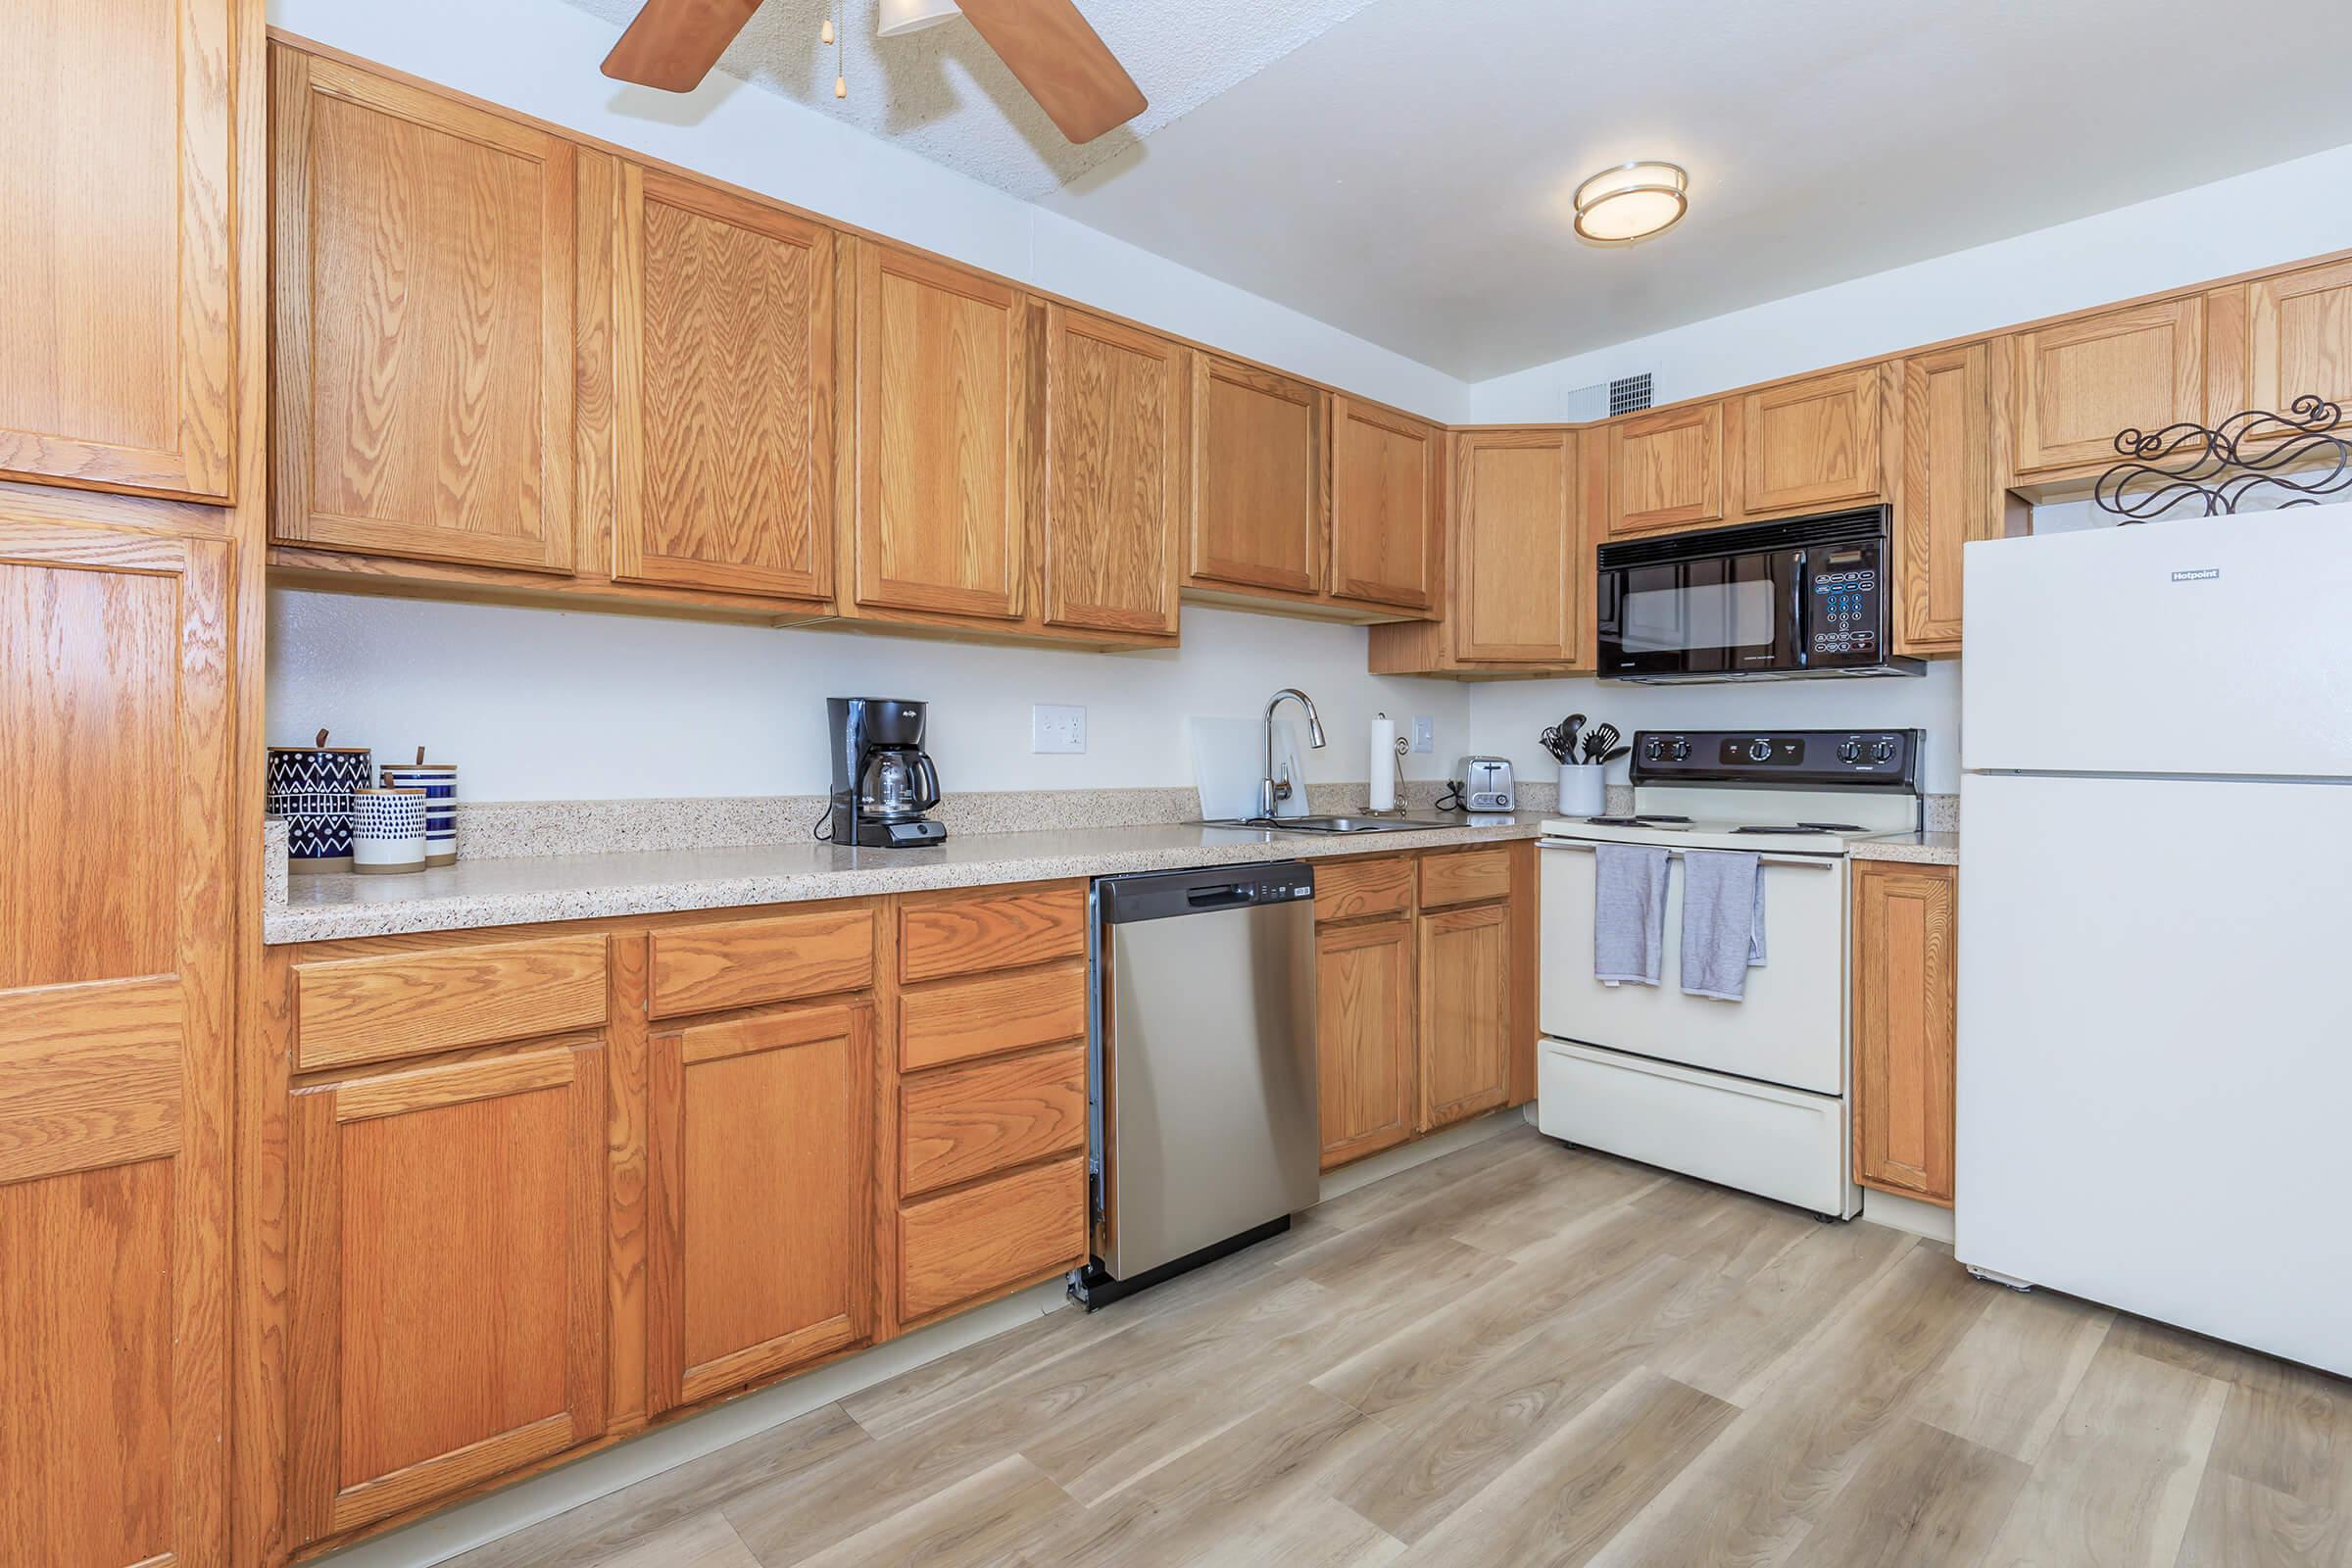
[{"x": 840, "y": 80}]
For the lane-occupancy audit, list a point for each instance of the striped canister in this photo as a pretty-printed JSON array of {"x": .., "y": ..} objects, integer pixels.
[
  {"x": 311, "y": 788},
  {"x": 439, "y": 783}
]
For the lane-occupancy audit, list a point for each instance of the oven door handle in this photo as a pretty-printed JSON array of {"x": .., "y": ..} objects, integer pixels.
[{"x": 1818, "y": 864}]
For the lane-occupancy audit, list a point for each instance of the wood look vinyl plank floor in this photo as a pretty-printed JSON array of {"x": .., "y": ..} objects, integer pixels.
[{"x": 1528, "y": 1354}]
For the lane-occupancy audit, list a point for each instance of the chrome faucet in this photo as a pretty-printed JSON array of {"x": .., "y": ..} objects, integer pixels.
[{"x": 1271, "y": 789}]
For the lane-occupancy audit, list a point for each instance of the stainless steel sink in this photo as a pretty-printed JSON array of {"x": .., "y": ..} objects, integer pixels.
[{"x": 1341, "y": 825}]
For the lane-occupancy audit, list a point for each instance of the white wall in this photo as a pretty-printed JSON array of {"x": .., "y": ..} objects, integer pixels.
[{"x": 554, "y": 704}]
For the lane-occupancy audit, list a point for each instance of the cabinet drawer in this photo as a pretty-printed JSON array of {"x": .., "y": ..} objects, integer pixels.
[
  {"x": 1345, "y": 890},
  {"x": 996, "y": 928},
  {"x": 1465, "y": 876},
  {"x": 962, "y": 1123},
  {"x": 742, "y": 964},
  {"x": 395, "y": 1005},
  {"x": 965, "y": 1244},
  {"x": 995, "y": 1013}
]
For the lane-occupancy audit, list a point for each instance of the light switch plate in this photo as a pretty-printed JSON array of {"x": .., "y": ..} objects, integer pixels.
[
  {"x": 1424, "y": 734},
  {"x": 1055, "y": 728}
]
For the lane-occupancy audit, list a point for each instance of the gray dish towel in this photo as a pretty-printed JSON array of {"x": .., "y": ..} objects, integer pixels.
[
  {"x": 1723, "y": 922},
  {"x": 1629, "y": 913}
]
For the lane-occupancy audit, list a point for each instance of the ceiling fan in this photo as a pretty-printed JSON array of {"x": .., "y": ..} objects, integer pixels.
[{"x": 1045, "y": 44}]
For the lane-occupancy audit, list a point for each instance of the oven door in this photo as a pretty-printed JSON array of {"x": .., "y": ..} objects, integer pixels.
[{"x": 1704, "y": 615}]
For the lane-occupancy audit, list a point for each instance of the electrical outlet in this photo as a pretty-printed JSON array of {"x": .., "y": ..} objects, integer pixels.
[
  {"x": 1053, "y": 728},
  {"x": 1425, "y": 734}
]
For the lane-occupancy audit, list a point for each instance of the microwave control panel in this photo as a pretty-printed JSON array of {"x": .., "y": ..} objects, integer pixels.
[{"x": 1844, "y": 590}]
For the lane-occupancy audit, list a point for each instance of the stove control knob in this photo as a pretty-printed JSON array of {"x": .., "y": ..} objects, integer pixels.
[
  {"x": 1655, "y": 750},
  {"x": 1881, "y": 751},
  {"x": 1681, "y": 749},
  {"x": 1850, "y": 751},
  {"x": 1759, "y": 751}
]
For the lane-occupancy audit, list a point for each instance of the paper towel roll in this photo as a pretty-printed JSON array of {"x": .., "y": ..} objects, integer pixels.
[{"x": 1382, "y": 765}]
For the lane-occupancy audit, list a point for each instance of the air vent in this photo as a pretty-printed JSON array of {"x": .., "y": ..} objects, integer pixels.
[{"x": 1629, "y": 394}]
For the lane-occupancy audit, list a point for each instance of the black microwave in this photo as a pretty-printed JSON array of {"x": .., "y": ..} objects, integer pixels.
[{"x": 1766, "y": 601}]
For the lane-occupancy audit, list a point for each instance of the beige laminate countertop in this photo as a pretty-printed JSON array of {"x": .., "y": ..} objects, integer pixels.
[
  {"x": 1920, "y": 848},
  {"x": 521, "y": 890}
]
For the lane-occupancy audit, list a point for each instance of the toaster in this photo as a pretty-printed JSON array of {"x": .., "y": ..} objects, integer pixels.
[{"x": 1487, "y": 784}]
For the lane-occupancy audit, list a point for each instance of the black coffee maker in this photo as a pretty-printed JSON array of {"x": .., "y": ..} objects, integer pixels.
[{"x": 883, "y": 781}]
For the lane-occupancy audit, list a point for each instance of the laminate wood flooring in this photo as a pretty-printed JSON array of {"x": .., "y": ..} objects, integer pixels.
[{"x": 1524, "y": 1353}]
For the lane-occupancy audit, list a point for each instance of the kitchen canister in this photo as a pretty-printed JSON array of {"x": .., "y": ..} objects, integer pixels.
[
  {"x": 1583, "y": 792},
  {"x": 312, "y": 787},
  {"x": 387, "y": 831},
  {"x": 438, "y": 782}
]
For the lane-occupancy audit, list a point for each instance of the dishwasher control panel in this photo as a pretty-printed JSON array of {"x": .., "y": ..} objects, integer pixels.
[{"x": 1156, "y": 896}]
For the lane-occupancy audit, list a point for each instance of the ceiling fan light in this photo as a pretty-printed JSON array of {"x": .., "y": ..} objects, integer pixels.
[
  {"x": 1631, "y": 202},
  {"x": 912, "y": 16}
]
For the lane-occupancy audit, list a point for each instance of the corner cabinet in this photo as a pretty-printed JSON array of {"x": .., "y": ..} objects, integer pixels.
[
  {"x": 1116, "y": 469},
  {"x": 1905, "y": 1010},
  {"x": 1387, "y": 507},
  {"x": 118, "y": 356},
  {"x": 423, "y": 293}
]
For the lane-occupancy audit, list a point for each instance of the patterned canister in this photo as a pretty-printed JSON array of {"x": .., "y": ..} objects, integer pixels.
[
  {"x": 311, "y": 787},
  {"x": 387, "y": 830},
  {"x": 439, "y": 782}
]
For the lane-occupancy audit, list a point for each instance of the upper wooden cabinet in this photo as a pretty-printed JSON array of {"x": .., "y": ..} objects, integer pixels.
[
  {"x": 423, "y": 303},
  {"x": 1516, "y": 547},
  {"x": 1905, "y": 924},
  {"x": 2074, "y": 386},
  {"x": 1115, "y": 467},
  {"x": 1387, "y": 504},
  {"x": 722, "y": 370},
  {"x": 1257, "y": 496},
  {"x": 115, "y": 1004},
  {"x": 1815, "y": 444},
  {"x": 1949, "y": 496},
  {"x": 2299, "y": 339},
  {"x": 117, "y": 343},
  {"x": 1666, "y": 469},
  {"x": 943, "y": 419}
]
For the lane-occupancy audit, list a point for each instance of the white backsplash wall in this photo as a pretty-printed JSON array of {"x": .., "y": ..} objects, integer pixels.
[
  {"x": 557, "y": 705},
  {"x": 1506, "y": 717}
]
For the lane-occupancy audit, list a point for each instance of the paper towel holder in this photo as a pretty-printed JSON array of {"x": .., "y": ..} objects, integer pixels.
[{"x": 1402, "y": 745}]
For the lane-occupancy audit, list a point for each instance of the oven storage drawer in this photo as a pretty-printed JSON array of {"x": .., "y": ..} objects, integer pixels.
[{"x": 1776, "y": 1143}]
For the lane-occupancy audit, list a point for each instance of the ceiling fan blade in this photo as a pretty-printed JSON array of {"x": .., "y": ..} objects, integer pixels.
[
  {"x": 673, "y": 43},
  {"x": 1076, "y": 79}
]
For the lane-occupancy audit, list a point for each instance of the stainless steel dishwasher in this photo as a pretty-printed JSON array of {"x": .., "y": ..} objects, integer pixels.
[{"x": 1205, "y": 1130}]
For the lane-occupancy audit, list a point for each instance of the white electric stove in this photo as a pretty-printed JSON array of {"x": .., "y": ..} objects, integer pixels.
[{"x": 1751, "y": 1094}]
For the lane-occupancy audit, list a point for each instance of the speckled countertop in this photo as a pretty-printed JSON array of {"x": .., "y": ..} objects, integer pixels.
[
  {"x": 1920, "y": 848},
  {"x": 517, "y": 890}
]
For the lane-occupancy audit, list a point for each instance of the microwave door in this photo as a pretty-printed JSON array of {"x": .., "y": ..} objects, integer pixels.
[
  {"x": 1664, "y": 617},
  {"x": 1768, "y": 613}
]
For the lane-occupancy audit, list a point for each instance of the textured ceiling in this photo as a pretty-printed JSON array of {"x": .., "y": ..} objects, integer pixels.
[{"x": 943, "y": 93}]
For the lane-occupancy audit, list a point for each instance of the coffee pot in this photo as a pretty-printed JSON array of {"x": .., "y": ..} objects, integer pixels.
[{"x": 883, "y": 780}]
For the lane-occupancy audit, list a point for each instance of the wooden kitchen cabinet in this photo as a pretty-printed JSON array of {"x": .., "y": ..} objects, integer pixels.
[
  {"x": 1387, "y": 507},
  {"x": 1949, "y": 496},
  {"x": 1816, "y": 445},
  {"x": 422, "y": 294},
  {"x": 1115, "y": 472},
  {"x": 118, "y": 357},
  {"x": 1259, "y": 506},
  {"x": 723, "y": 397},
  {"x": 943, "y": 440},
  {"x": 1904, "y": 1007},
  {"x": 445, "y": 1276},
  {"x": 760, "y": 1139},
  {"x": 2299, "y": 339},
  {"x": 117, "y": 896},
  {"x": 1365, "y": 1045},
  {"x": 2074, "y": 385},
  {"x": 1466, "y": 978},
  {"x": 1666, "y": 469}
]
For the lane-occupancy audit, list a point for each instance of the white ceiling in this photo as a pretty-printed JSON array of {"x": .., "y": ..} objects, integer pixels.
[{"x": 1400, "y": 169}]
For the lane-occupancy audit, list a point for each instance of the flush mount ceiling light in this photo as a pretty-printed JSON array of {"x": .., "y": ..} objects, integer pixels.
[
  {"x": 912, "y": 16},
  {"x": 1631, "y": 202}
]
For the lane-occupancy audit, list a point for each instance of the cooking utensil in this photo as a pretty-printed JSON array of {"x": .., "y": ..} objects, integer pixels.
[
  {"x": 1560, "y": 739},
  {"x": 1598, "y": 742}
]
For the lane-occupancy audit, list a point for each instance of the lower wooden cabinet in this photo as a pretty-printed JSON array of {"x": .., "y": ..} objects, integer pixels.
[
  {"x": 1904, "y": 1009},
  {"x": 760, "y": 1145},
  {"x": 1365, "y": 1037},
  {"x": 1465, "y": 965}
]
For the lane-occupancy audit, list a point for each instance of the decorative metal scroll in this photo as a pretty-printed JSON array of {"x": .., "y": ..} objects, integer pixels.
[{"x": 2215, "y": 465}]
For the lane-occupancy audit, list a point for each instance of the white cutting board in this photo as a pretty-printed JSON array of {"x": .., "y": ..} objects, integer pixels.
[{"x": 1229, "y": 759}]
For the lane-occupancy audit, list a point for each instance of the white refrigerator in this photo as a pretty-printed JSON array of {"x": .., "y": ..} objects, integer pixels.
[{"x": 2155, "y": 944}]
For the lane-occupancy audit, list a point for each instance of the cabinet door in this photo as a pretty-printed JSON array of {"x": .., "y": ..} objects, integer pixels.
[
  {"x": 1365, "y": 1037},
  {"x": 943, "y": 379},
  {"x": 1949, "y": 496},
  {"x": 1464, "y": 976},
  {"x": 1115, "y": 475},
  {"x": 723, "y": 374},
  {"x": 761, "y": 1153},
  {"x": 2301, "y": 339},
  {"x": 116, "y": 350},
  {"x": 1904, "y": 1012},
  {"x": 1516, "y": 546},
  {"x": 2075, "y": 386},
  {"x": 1257, "y": 497},
  {"x": 1387, "y": 506},
  {"x": 116, "y": 894},
  {"x": 422, "y": 289},
  {"x": 1813, "y": 443},
  {"x": 446, "y": 1279},
  {"x": 1666, "y": 469}
]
